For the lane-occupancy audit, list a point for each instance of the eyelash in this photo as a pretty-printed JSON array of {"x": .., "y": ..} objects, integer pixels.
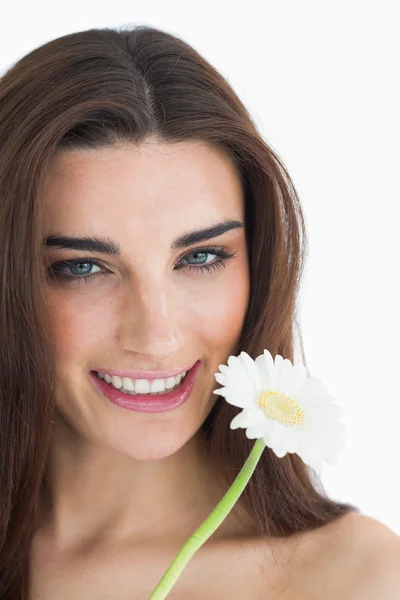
[{"x": 56, "y": 269}]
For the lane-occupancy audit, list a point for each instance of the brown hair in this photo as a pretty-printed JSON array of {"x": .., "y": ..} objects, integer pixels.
[{"x": 94, "y": 89}]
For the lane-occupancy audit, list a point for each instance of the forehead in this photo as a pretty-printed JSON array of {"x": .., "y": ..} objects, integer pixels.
[{"x": 156, "y": 183}]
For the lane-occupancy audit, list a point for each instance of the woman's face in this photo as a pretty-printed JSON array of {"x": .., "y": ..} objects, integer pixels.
[{"x": 152, "y": 307}]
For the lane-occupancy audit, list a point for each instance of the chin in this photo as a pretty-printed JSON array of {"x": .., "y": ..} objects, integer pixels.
[{"x": 149, "y": 442}]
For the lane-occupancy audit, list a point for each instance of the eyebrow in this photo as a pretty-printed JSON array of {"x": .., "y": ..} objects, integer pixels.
[{"x": 108, "y": 246}]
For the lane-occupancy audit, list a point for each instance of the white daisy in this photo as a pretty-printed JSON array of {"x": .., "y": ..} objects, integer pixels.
[{"x": 290, "y": 411}]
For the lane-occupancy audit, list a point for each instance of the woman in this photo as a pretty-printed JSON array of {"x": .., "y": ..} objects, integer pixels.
[{"x": 129, "y": 165}]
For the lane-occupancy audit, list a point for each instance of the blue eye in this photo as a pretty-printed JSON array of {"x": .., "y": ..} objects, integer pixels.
[{"x": 58, "y": 270}]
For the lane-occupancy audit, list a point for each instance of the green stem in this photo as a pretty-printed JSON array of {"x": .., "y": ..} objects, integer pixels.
[{"x": 212, "y": 522}]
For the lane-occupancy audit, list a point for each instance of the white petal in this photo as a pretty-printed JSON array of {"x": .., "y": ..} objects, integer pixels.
[
  {"x": 286, "y": 374},
  {"x": 224, "y": 369},
  {"x": 222, "y": 379},
  {"x": 295, "y": 381},
  {"x": 322, "y": 440},
  {"x": 274, "y": 433},
  {"x": 334, "y": 409},
  {"x": 237, "y": 421},
  {"x": 265, "y": 383},
  {"x": 278, "y": 371},
  {"x": 237, "y": 375},
  {"x": 235, "y": 364},
  {"x": 309, "y": 392},
  {"x": 252, "y": 371},
  {"x": 236, "y": 396},
  {"x": 317, "y": 466},
  {"x": 324, "y": 420},
  {"x": 289, "y": 440},
  {"x": 266, "y": 368},
  {"x": 318, "y": 429},
  {"x": 255, "y": 431},
  {"x": 219, "y": 392},
  {"x": 283, "y": 368},
  {"x": 306, "y": 456},
  {"x": 247, "y": 418},
  {"x": 332, "y": 458},
  {"x": 279, "y": 451}
]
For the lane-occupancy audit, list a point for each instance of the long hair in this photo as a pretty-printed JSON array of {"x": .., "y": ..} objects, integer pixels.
[{"x": 95, "y": 89}]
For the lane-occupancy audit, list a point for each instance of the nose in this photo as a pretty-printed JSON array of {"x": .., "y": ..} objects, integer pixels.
[{"x": 149, "y": 323}]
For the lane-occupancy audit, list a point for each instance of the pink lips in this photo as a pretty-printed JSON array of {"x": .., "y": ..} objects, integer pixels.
[{"x": 149, "y": 403}]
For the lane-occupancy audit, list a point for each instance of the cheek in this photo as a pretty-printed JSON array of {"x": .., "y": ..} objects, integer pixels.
[
  {"x": 76, "y": 326},
  {"x": 218, "y": 318}
]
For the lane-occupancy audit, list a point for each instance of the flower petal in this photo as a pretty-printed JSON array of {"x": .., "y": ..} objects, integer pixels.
[
  {"x": 321, "y": 438},
  {"x": 256, "y": 431},
  {"x": 274, "y": 433},
  {"x": 235, "y": 364},
  {"x": 237, "y": 421},
  {"x": 280, "y": 451},
  {"x": 247, "y": 418},
  {"x": 236, "y": 396},
  {"x": 285, "y": 375},
  {"x": 289, "y": 440},
  {"x": 307, "y": 456},
  {"x": 295, "y": 380},
  {"x": 332, "y": 408},
  {"x": 278, "y": 372},
  {"x": 251, "y": 370},
  {"x": 222, "y": 379},
  {"x": 238, "y": 386},
  {"x": 317, "y": 466},
  {"x": 310, "y": 391},
  {"x": 237, "y": 374},
  {"x": 266, "y": 368}
]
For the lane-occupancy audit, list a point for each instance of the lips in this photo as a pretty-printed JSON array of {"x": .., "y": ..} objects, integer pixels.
[{"x": 149, "y": 403}]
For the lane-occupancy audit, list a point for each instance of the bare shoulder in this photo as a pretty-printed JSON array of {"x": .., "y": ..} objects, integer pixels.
[
  {"x": 358, "y": 533},
  {"x": 374, "y": 550},
  {"x": 355, "y": 557}
]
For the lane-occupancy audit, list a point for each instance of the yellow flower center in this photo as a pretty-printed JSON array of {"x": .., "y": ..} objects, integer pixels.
[{"x": 281, "y": 408}]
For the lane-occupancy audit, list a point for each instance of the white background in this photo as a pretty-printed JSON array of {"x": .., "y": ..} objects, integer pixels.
[{"x": 321, "y": 82}]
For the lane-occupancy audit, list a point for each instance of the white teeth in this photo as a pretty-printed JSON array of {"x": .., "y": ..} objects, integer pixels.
[
  {"x": 116, "y": 381},
  {"x": 170, "y": 383},
  {"x": 157, "y": 385},
  {"x": 128, "y": 384},
  {"x": 142, "y": 386}
]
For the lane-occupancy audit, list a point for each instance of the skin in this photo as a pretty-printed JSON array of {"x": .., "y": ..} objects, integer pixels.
[
  {"x": 116, "y": 475},
  {"x": 125, "y": 490}
]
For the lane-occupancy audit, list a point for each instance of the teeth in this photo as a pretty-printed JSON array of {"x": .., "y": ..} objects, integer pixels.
[
  {"x": 116, "y": 381},
  {"x": 128, "y": 384},
  {"x": 143, "y": 386}
]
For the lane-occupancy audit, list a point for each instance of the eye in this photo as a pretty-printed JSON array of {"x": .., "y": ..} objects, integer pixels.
[
  {"x": 57, "y": 271},
  {"x": 83, "y": 266},
  {"x": 221, "y": 253}
]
